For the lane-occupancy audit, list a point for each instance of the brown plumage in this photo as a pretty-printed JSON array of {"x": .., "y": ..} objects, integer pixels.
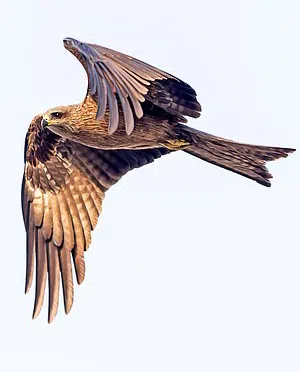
[{"x": 132, "y": 114}]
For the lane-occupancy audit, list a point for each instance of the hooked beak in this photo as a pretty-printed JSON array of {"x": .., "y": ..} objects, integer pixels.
[{"x": 44, "y": 123}]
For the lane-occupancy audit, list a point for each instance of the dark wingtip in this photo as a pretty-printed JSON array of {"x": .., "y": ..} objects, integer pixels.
[
  {"x": 265, "y": 182},
  {"x": 290, "y": 151},
  {"x": 27, "y": 284},
  {"x": 69, "y": 42}
]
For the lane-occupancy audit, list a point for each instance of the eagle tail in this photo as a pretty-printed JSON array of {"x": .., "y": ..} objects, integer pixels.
[{"x": 246, "y": 160}]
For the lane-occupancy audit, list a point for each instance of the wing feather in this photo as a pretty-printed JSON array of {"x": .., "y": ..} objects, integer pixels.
[
  {"x": 53, "y": 280},
  {"x": 82, "y": 210},
  {"x": 77, "y": 225},
  {"x": 79, "y": 264},
  {"x": 48, "y": 217},
  {"x": 68, "y": 233},
  {"x": 30, "y": 254},
  {"x": 41, "y": 271},
  {"x": 38, "y": 207},
  {"x": 112, "y": 103},
  {"x": 101, "y": 93},
  {"x": 90, "y": 206},
  {"x": 67, "y": 278},
  {"x": 57, "y": 223}
]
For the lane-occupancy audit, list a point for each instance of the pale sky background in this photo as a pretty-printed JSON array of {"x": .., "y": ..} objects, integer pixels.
[{"x": 191, "y": 268}]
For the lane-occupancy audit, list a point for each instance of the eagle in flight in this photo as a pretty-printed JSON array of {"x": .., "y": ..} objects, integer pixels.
[{"x": 132, "y": 114}]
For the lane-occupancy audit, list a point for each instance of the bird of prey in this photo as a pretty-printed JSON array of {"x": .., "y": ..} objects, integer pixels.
[{"x": 132, "y": 114}]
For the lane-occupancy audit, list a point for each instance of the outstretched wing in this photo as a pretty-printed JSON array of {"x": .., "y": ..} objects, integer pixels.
[
  {"x": 118, "y": 78},
  {"x": 62, "y": 192}
]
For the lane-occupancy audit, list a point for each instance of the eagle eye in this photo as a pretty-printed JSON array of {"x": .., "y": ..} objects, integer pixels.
[{"x": 57, "y": 115}]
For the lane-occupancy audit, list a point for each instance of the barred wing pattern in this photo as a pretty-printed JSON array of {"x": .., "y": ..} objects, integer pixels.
[
  {"x": 62, "y": 194},
  {"x": 114, "y": 78}
]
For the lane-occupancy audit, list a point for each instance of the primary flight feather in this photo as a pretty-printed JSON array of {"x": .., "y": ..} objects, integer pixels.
[{"x": 133, "y": 113}]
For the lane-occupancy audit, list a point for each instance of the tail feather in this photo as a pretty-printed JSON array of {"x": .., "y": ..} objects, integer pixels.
[{"x": 246, "y": 160}]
